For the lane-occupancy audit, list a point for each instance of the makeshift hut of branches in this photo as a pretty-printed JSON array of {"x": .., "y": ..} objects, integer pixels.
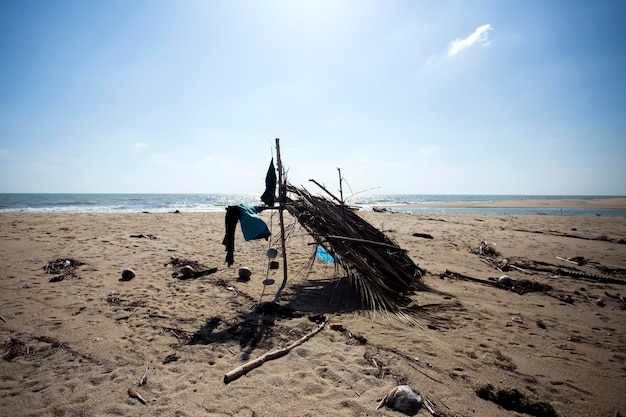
[{"x": 383, "y": 273}]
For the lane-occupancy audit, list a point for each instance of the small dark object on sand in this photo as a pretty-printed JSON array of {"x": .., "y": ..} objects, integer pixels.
[
  {"x": 424, "y": 235},
  {"x": 127, "y": 274}
]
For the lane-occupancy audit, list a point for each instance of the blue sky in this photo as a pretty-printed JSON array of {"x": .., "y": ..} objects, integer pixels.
[{"x": 424, "y": 97}]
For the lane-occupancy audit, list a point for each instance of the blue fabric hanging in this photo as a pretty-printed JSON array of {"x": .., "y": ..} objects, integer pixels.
[
  {"x": 324, "y": 256},
  {"x": 252, "y": 226}
]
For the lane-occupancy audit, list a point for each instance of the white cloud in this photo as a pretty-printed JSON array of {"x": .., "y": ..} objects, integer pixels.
[
  {"x": 140, "y": 145},
  {"x": 479, "y": 37}
]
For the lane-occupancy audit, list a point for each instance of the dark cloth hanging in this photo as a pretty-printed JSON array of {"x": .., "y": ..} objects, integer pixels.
[
  {"x": 270, "y": 186},
  {"x": 252, "y": 227},
  {"x": 233, "y": 214}
]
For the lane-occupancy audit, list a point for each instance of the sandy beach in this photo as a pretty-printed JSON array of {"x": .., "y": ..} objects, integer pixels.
[{"x": 75, "y": 337}]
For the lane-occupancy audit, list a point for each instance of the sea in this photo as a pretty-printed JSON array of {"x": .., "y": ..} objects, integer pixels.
[{"x": 403, "y": 203}]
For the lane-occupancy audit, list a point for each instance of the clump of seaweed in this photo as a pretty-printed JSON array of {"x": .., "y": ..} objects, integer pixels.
[
  {"x": 188, "y": 268},
  {"x": 15, "y": 347},
  {"x": 63, "y": 268},
  {"x": 514, "y": 400}
]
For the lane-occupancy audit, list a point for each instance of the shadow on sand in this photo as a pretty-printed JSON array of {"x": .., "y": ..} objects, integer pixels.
[{"x": 253, "y": 330}]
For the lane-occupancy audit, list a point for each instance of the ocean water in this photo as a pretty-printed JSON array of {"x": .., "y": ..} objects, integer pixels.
[{"x": 406, "y": 203}]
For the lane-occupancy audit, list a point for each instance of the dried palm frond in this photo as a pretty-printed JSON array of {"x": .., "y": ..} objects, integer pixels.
[{"x": 382, "y": 272}]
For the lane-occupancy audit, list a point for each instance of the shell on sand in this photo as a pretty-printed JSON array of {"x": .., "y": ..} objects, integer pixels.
[
  {"x": 187, "y": 271},
  {"x": 128, "y": 273},
  {"x": 245, "y": 273},
  {"x": 404, "y": 399},
  {"x": 505, "y": 280}
]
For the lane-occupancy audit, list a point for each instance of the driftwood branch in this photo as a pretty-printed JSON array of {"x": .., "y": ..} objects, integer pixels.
[
  {"x": 456, "y": 275},
  {"x": 132, "y": 392},
  {"x": 328, "y": 192},
  {"x": 145, "y": 236},
  {"x": 423, "y": 235},
  {"x": 247, "y": 367}
]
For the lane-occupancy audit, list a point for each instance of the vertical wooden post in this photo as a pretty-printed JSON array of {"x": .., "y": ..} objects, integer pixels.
[
  {"x": 282, "y": 197},
  {"x": 340, "y": 186},
  {"x": 343, "y": 206}
]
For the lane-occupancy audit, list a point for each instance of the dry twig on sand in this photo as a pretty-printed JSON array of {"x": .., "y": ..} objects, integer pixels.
[
  {"x": 132, "y": 392},
  {"x": 247, "y": 367}
]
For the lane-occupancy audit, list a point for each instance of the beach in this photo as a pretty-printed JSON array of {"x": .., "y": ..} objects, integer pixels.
[{"x": 76, "y": 337}]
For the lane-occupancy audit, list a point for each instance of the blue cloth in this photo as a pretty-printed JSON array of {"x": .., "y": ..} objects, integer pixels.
[
  {"x": 252, "y": 226},
  {"x": 324, "y": 256}
]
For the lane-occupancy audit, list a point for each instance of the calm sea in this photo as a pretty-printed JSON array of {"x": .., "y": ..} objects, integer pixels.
[{"x": 127, "y": 203}]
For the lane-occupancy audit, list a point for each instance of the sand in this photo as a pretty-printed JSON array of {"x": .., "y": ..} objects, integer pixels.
[{"x": 74, "y": 347}]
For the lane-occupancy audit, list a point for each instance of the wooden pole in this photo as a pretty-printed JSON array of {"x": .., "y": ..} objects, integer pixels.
[
  {"x": 282, "y": 197},
  {"x": 340, "y": 186}
]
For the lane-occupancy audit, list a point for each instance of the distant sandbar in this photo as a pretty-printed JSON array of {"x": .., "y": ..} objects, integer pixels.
[{"x": 598, "y": 203}]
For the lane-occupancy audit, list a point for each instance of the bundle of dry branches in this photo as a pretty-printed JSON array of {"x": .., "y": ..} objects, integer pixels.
[{"x": 382, "y": 272}]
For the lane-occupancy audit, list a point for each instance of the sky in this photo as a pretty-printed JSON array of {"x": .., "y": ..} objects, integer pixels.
[{"x": 396, "y": 96}]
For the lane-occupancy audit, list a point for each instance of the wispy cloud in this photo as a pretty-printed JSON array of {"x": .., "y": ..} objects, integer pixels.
[
  {"x": 479, "y": 37},
  {"x": 427, "y": 150},
  {"x": 140, "y": 145},
  {"x": 4, "y": 152}
]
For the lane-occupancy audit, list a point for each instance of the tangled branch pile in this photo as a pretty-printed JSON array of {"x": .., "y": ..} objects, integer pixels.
[{"x": 382, "y": 272}]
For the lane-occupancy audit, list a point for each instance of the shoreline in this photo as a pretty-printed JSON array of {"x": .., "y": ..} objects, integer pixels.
[{"x": 197, "y": 203}]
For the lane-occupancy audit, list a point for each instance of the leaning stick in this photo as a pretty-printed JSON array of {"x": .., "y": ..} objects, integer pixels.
[{"x": 247, "y": 367}]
